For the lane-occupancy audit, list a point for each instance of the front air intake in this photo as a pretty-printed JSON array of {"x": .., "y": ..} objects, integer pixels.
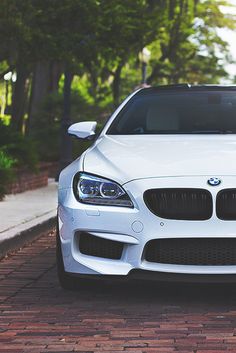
[
  {"x": 99, "y": 247},
  {"x": 196, "y": 251}
]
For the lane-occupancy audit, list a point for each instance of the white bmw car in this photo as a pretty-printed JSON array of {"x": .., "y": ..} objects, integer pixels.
[{"x": 155, "y": 195}]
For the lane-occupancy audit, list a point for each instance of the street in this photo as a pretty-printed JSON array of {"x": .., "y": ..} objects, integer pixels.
[{"x": 36, "y": 315}]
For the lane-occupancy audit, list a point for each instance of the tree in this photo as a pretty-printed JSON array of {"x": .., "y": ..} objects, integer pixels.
[
  {"x": 99, "y": 41},
  {"x": 123, "y": 29},
  {"x": 190, "y": 45}
]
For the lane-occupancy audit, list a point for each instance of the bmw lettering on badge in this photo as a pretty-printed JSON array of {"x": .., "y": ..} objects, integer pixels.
[{"x": 214, "y": 181}]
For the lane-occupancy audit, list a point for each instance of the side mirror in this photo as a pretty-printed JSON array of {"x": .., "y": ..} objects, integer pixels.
[{"x": 83, "y": 130}]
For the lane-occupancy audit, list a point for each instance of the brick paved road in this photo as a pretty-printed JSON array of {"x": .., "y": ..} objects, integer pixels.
[{"x": 36, "y": 315}]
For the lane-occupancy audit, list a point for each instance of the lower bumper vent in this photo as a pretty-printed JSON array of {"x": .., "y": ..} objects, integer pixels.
[
  {"x": 206, "y": 251},
  {"x": 99, "y": 247}
]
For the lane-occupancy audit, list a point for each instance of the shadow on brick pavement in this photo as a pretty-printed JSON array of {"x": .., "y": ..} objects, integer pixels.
[{"x": 36, "y": 315}]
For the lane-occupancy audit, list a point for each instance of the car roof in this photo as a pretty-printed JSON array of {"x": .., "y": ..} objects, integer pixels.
[{"x": 186, "y": 87}]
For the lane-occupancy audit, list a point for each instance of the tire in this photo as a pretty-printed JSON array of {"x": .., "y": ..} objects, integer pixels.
[{"x": 65, "y": 279}]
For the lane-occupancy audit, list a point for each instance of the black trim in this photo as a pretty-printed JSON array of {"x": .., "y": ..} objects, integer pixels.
[
  {"x": 92, "y": 245},
  {"x": 225, "y": 211},
  {"x": 146, "y": 275},
  {"x": 192, "y": 251},
  {"x": 155, "y": 209},
  {"x": 185, "y": 87}
]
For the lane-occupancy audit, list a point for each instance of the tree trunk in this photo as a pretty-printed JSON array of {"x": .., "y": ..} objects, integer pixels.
[
  {"x": 116, "y": 84},
  {"x": 45, "y": 80},
  {"x": 19, "y": 97},
  {"x": 39, "y": 90},
  {"x": 56, "y": 70},
  {"x": 155, "y": 72},
  {"x": 66, "y": 142}
]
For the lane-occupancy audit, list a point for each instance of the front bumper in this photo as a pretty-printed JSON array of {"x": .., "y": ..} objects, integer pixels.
[{"x": 135, "y": 227}]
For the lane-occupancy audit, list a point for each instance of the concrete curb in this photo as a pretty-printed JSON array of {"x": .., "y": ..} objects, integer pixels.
[{"x": 12, "y": 239}]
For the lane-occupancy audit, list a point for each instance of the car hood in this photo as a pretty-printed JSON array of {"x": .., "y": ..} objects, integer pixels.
[{"x": 125, "y": 158}]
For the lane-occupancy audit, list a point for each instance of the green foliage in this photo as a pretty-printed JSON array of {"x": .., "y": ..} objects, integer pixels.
[
  {"x": 20, "y": 148},
  {"x": 67, "y": 31},
  {"x": 6, "y": 162},
  {"x": 99, "y": 41},
  {"x": 190, "y": 48},
  {"x": 6, "y": 172},
  {"x": 24, "y": 151},
  {"x": 47, "y": 128}
]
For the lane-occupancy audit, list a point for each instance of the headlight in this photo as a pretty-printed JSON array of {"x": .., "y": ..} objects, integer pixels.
[{"x": 94, "y": 190}]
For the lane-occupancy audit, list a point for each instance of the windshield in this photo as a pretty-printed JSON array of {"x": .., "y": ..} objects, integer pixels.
[{"x": 199, "y": 112}]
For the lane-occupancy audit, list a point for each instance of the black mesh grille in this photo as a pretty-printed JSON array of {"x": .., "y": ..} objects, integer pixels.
[
  {"x": 183, "y": 204},
  {"x": 206, "y": 251},
  {"x": 100, "y": 247},
  {"x": 226, "y": 204}
]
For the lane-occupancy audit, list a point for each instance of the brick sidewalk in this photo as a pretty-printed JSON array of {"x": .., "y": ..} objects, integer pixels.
[{"x": 36, "y": 315}]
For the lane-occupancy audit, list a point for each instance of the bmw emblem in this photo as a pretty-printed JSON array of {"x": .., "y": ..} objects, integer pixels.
[{"x": 214, "y": 181}]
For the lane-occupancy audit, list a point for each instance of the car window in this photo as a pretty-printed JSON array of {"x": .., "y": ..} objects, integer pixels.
[{"x": 177, "y": 113}]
